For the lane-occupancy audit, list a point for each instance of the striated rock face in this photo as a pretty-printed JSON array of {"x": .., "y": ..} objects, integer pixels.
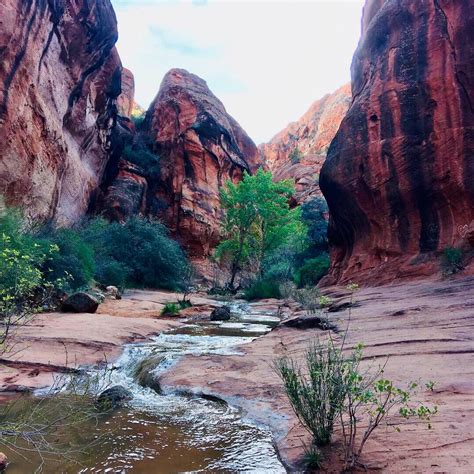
[
  {"x": 126, "y": 100},
  {"x": 199, "y": 146},
  {"x": 399, "y": 176},
  {"x": 300, "y": 149},
  {"x": 59, "y": 79}
]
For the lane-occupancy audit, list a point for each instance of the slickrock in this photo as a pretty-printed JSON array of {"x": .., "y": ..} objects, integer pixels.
[
  {"x": 298, "y": 151},
  {"x": 59, "y": 78},
  {"x": 425, "y": 330},
  {"x": 399, "y": 175}
]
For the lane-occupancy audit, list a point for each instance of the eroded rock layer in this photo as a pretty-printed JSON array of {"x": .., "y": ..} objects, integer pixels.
[
  {"x": 399, "y": 176},
  {"x": 199, "y": 147},
  {"x": 298, "y": 151},
  {"x": 59, "y": 79}
]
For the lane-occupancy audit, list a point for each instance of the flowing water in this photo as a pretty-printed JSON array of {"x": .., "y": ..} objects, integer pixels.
[{"x": 170, "y": 433}]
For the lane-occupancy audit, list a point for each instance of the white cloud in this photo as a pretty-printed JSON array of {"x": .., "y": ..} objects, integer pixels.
[{"x": 267, "y": 61}]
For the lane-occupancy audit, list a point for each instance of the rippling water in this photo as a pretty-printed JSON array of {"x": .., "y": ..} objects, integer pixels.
[{"x": 172, "y": 433}]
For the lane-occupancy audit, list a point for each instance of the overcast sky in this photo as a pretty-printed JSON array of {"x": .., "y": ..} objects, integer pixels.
[{"x": 267, "y": 61}]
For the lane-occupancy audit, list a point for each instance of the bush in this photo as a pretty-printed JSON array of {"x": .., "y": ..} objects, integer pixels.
[
  {"x": 140, "y": 155},
  {"x": 452, "y": 260},
  {"x": 295, "y": 155},
  {"x": 142, "y": 248},
  {"x": 111, "y": 272},
  {"x": 73, "y": 261},
  {"x": 314, "y": 213},
  {"x": 171, "y": 309},
  {"x": 313, "y": 270},
  {"x": 263, "y": 289}
]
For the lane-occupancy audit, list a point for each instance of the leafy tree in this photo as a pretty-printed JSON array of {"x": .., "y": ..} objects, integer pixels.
[
  {"x": 314, "y": 214},
  {"x": 258, "y": 220}
]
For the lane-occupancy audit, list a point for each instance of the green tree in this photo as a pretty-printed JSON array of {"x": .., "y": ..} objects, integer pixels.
[{"x": 258, "y": 220}]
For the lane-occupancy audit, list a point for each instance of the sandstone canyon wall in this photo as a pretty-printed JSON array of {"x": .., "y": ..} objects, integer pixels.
[
  {"x": 199, "y": 147},
  {"x": 307, "y": 140},
  {"x": 399, "y": 176},
  {"x": 59, "y": 80}
]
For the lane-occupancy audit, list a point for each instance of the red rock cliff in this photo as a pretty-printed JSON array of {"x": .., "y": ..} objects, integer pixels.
[
  {"x": 399, "y": 176},
  {"x": 299, "y": 150},
  {"x": 199, "y": 147},
  {"x": 59, "y": 78}
]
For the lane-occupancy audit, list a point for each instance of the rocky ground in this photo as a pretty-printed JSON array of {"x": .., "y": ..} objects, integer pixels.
[{"x": 425, "y": 329}]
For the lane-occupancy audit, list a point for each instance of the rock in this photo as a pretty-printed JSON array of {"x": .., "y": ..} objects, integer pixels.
[
  {"x": 145, "y": 375},
  {"x": 125, "y": 101},
  {"x": 399, "y": 175},
  {"x": 113, "y": 292},
  {"x": 199, "y": 146},
  {"x": 310, "y": 322},
  {"x": 113, "y": 398},
  {"x": 221, "y": 314},
  {"x": 80, "y": 303},
  {"x": 311, "y": 136},
  {"x": 3, "y": 462},
  {"x": 59, "y": 80}
]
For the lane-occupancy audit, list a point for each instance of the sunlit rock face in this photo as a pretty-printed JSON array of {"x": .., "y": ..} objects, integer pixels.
[
  {"x": 199, "y": 147},
  {"x": 399, "y": 176},
  {"x": 59, "y": 79},
  {"x": 126, "y": 99},
  {"x": 298, "y": 151}
]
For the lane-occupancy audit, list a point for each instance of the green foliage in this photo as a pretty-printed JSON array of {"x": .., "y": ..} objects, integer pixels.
[
  {"x": 111, "y": 272},
  {"x": 171, "y": 309},
  {"x": 23, "y": 287},
  {"x": 263, "y": 289},
  {"x": 452, "y": 260},
  {"x": 316, "y": 398},
  {"x": 142, "y": 248},
  {"x": 74, "y": 258},
  {"x": 314, "y": 213},
  {"x": 258, "y": 221},
  {"x": 139, "y": 154},
  {"x": 333, "y": 386},
  {"x": 295, "y": 155},
  {"x": 313, "y": 270}
]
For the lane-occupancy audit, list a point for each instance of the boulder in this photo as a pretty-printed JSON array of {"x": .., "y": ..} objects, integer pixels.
[
  {"x": 80, "y": 302},
  {"x": 221, "y": 314},
  {"x": 113, "y": 398},
  {"x": 113, "y": 292}
]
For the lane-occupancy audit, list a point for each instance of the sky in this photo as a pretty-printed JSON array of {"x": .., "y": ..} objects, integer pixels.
[{"x": 266, "y": 60}]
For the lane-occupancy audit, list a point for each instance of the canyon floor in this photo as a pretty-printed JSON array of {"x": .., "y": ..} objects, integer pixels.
[{"x": 426, "y": 329}]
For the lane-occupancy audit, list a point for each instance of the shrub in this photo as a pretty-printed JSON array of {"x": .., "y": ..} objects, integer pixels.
[
  {"x": 110, "y": 272},
  {"x": 313, "y": 270},
  {"x": 333, "y": 387},
  {"x": 314, "y": 213},
  {"x": 140, "y": 155},
  {"x": 452, "y": 259},
  {"x": 74, "y": 259},
  {"x": 295, "y": 155},
  {"x": 171, "y": 309},
  {"x": 263, "y": 289},
  {"x": 148, "y": 256}
]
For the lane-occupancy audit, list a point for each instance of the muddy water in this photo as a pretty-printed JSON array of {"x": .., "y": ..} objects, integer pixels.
[{"x": 167, "y": 433}]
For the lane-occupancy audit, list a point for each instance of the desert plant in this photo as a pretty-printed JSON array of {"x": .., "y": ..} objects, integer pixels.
[
  {"x": 263, "y": 289},
  {"x": 452, "y": 260},
  {"x": 317, "y": 391},
  {"x": 295, "y": 155},
  {"x": 313, "y": 270},
  {"x": 171, "y": 309}
]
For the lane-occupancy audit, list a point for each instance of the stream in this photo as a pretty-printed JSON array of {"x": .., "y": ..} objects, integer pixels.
[{"x": 171, "y": 432}]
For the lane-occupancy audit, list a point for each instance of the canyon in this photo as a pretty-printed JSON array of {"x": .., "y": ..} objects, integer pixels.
[{"x": 393, "y": 155}]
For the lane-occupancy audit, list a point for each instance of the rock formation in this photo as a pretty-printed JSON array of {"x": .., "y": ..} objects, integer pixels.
[
  {"x": 199, "y": 147},
  {"x": 399, "y": 176},
  {"x": 298, "y": 151},
  {"x": 126, "y": 99},
  {"x": 59, "y": 79}
]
